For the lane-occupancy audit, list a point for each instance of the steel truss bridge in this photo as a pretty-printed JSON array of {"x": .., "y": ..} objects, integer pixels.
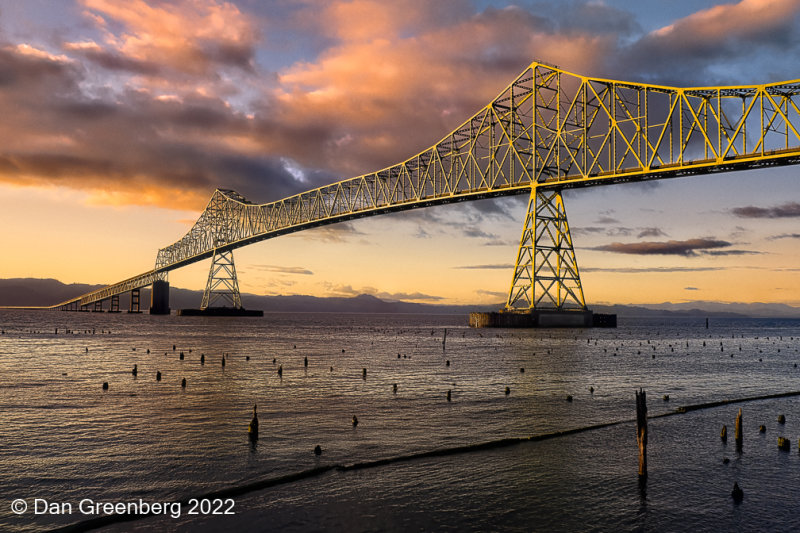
[{"x": 549, "y": 130}]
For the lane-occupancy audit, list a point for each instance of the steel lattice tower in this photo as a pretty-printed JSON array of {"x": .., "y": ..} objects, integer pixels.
[
  {"x": 546, "y": 271},
  {"x": 222, "y": 284}
]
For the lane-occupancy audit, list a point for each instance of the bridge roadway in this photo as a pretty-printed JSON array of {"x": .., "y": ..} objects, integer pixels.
[{"x": 549, "y": 129}]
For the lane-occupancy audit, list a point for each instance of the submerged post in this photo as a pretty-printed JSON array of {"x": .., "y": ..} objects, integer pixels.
[{"x": 641, "y": 431}]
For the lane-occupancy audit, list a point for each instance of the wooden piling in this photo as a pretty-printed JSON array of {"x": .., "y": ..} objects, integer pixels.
[
  {"x": 641, "y": 431},
  {"x": 738, "y": 430}
]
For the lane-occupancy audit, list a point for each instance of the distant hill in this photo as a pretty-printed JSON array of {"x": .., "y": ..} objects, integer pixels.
[{"x": 45, "y": 292}]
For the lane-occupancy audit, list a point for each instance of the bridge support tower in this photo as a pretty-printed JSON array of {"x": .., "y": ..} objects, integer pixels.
[
  {"x": 546, "y": 288},
  {"x": 221, "y": 297},
  {"x": 222, "y": 288}
]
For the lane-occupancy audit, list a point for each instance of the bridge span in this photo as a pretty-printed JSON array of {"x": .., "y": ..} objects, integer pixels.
[{"x": 547, "y": 131}]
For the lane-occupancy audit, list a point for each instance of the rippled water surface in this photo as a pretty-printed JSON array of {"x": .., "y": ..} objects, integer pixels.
[{"x": 64, "y": 439}]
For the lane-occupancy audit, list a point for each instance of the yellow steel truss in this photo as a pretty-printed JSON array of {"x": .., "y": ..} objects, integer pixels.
[
  {"x": 548, "y": 130},
  {"x": 546, "y": 271}
]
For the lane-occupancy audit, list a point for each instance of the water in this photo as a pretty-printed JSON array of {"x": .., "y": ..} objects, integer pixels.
[{"x": 64, "y": 439}]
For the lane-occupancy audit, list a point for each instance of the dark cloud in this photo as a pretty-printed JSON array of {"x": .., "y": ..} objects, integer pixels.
[
  {"x": 586, "y": 230},
  {"x": 171, "y": 152},
  {"x": 787, "y": 210},
  {"x": 339, "y": 232},
  {"x": 691, "y": 289},
  {"x": 685, "y": 248},
  {"x": 784, "y": 236},
  {"x": 611, "y": 232},
  {"x": 651, "y": 232},
  {"x": 606, "y": 220},
  {"x": 20, "y": 69},
  {"x": 619, "y": 230},
  {"x": 730, "y": 252},
  {"x": 478, "y": 233},
  {"x": 687, "y": 51},
  {"x": 112, "y": 61}
]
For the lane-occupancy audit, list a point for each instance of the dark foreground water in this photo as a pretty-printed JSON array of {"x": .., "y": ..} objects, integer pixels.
[{"x": 67, "y": 446}]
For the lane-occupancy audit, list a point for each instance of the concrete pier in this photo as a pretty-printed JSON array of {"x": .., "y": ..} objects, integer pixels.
[
  {"x": 220, "y": 311},
  {"x": 542, "y": 318},
  {"x": 159, "y": 298}
]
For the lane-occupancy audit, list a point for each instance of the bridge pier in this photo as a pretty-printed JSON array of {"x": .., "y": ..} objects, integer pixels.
[
  {"x": 223, "y": 287},
  {"x": 114, "y": 304},
  {"x": 159, "y": 298},
  {"x": 135, "y": 306},
  {"x": 546, "y": 289}
]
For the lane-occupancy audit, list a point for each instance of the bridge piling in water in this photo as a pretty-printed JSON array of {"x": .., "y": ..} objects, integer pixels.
[{"x": 159, "y": 298}]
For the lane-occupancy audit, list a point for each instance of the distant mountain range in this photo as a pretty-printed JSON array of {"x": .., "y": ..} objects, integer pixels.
[{"x": 30, "y": 292}]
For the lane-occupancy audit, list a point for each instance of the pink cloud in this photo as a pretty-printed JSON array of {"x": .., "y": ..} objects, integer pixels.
[
  {"x": 747, "y": 18},
  {"x": 388, "y": 90},
  {"x": 187, "y": 35}
]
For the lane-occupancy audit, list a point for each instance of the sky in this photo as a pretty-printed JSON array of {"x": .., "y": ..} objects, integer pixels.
[{"x": 121, "y": 117}]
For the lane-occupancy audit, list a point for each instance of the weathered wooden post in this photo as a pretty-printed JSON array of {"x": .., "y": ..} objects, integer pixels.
[
  {"x": 738, "y": 431},
  {"x": 641, "y": 431}
]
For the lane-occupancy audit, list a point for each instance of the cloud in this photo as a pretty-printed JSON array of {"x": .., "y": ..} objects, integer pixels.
[
  {"x": 158, "y": 103},
  {"x": 588, "y": 230},
  {"x": 685, "y": 248},
  {"x": 651, "y": 232},
  {"x": 340, "y": 232},
  {"x": 134, "y": 148},
  {"x": 485, "y": 267},
  {"x": 478, "y": 233},
  {"x": 731, "y": 252},
  {"x": 349, "y": 291},
  {"x": 494, "y": 294},
  {"x": 787, "y": 210},
  {"x": 417, "y": 76},
  {"x": 283, "y": 269},
  {"x": 502, "y": 242},
  {"x": 606, "y": 220},
  {"x": 649, "y": 270},
  {"x": 188, "y": 36},
  {"x": 784, "y": 236},
  {"x": 691, "y": 289},
  {"x": 688, "y": 48},
  {"x": 405, "y": 296},
  {"x": 611, "y": 232}
]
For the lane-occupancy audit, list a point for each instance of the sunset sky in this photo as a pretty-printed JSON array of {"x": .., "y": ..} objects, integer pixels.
[{"x": 119, "y": 118}]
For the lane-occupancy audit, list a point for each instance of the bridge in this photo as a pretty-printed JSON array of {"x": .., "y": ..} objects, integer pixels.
[{"x": 547, "y": 131}]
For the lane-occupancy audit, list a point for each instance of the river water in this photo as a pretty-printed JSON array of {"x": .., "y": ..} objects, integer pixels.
[{"x": 67, "y": 445}]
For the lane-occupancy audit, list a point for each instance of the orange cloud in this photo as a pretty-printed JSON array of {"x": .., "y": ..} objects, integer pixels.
[
  {"x": 168, "y": 96},
  {"x": 388, "y": 90},
  {"x": 747, "y": 18},
  {"x": 187, "y": 36}
]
